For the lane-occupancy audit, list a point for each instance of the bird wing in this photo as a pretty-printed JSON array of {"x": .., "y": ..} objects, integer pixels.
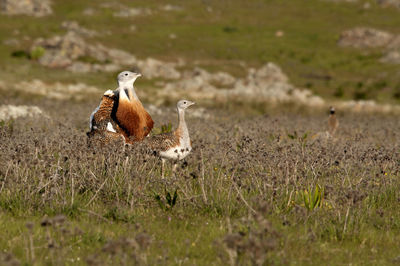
[
  {"x": 102, "y": 114},
  {"x": 101, "y": 118},
  {"x": 104, "y": 137},
  {"x": 162, "y": 142}
]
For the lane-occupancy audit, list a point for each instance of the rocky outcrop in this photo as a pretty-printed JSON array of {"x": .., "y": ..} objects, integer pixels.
[
  {"x": 362, "y": 37},
  {"x": 391, "y": 57},
  {"x": 132, "y": 12},
  {"x": 63, "y": 51},
  {"x": 267, "y": 83},
  {"x": 74, "y": 54},
  {"x": 153, "y": 68},
  {"x": 389, "y": 3},
  {"x": 169, "y": 7},
  {"x": 73, "y": 26},
  {"x": 8, "y": 112},
  {"x": 56, "y": 90},
  {"x": 37, "y": 8},
  {"x": 368, "y": 106}
]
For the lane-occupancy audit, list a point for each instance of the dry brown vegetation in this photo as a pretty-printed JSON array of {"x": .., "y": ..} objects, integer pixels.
[{"x": 240, "y": 194}]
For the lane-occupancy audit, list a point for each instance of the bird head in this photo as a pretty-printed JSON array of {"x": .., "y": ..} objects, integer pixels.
[
  {"x": 331, "y": 110},
  {"x": 127, "y": 78},
  {"x": 183, "y": 104}
]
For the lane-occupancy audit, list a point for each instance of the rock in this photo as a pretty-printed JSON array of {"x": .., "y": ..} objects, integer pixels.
[
  {"x": 169, "y": 7},
  {"x": 119, "y": 56},
  {"x": 36, "y": 8},
  {"x": 56, "y": 90},
  {"x": 80, "y": 67},
  {"x": 367, "y": 5},
  {"x": 267, "y": 74},
  {"x": 72, "y": 53},
  {"x": 153, "y": 68},
  {"x": 199, "y": 112},
  {"x": 389, "y": 3},
  {"x": 201, "y": 82},
  {"x": 132, "y": 12},
  {"x": 89, "y": 12},
  {"x": 392, "y": 52},
  {"x": 364, "y": 38},
  {"x": 67, "y": 51},
  {"x": 60, "y": 51},
  {"x": 267, "y": 83},
  {"x": 8, "y": 112},
  {"x": 391, "y": 57},
  {"x": 368, "y": 106},
  {"x": 279, "y": 33},
  {"x": 11, "y": 42},
  {"x": 106, "y": 68},
  {"x": 73, "y": 26},
  {"x": 371, "y": 38},
  {"x": 394, "y": 43}
]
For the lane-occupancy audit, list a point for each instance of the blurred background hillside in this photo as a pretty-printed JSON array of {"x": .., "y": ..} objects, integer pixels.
[{"x": 311, "y": 53}]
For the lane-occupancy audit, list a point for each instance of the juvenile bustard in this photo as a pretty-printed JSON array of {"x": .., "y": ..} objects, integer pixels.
[{"x": 174, "y": 145}]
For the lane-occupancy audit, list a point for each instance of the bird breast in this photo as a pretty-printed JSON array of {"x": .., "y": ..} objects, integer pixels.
[{"x": 176, "y": 153}]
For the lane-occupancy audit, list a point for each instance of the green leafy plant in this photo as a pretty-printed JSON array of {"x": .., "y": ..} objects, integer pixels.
[
  {"x": 166, "y": 128},
  {"x": 37, "y": 52},
  {"x": 312, "y": 198},
  {"x": 295, "y": 136},
  {"x": 169, "y": 202}
]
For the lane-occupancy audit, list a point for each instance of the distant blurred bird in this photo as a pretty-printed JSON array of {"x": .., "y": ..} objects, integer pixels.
[
  {"x": 174, "y": 145},
  {"x": 333, "y": 122},
  {"x": 121, "y": 113}
]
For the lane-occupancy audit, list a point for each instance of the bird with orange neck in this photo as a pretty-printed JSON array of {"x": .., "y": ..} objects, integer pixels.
[
  {"x": 131, "y": 115},
  {"x": 120, "y": 113}
]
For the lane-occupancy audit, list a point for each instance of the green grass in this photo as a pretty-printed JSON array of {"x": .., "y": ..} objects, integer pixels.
[{"x": 239, "y": 197}]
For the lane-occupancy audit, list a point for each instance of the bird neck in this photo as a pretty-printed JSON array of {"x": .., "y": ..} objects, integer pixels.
[
  {"x": 132, "y": 94},
  {"x": 129, "y": 87},
  {"x": 122, "y": 94},
  {"x": 182, "y": 123}
]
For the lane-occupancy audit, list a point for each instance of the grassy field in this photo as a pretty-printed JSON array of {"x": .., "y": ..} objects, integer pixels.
[
  {"x": 259, "y": 188},
  {"x": 240, "y": 194}
]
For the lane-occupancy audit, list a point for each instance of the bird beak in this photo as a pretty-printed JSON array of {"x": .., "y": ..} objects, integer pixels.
[
  {"x": 192, "y": 103},
  {"x": 139, "y": 75}
]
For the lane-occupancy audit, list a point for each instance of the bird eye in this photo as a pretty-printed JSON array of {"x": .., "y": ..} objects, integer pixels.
[
  {"x": 184, "y": 102},
  {"x": 126, "y": 74}
]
